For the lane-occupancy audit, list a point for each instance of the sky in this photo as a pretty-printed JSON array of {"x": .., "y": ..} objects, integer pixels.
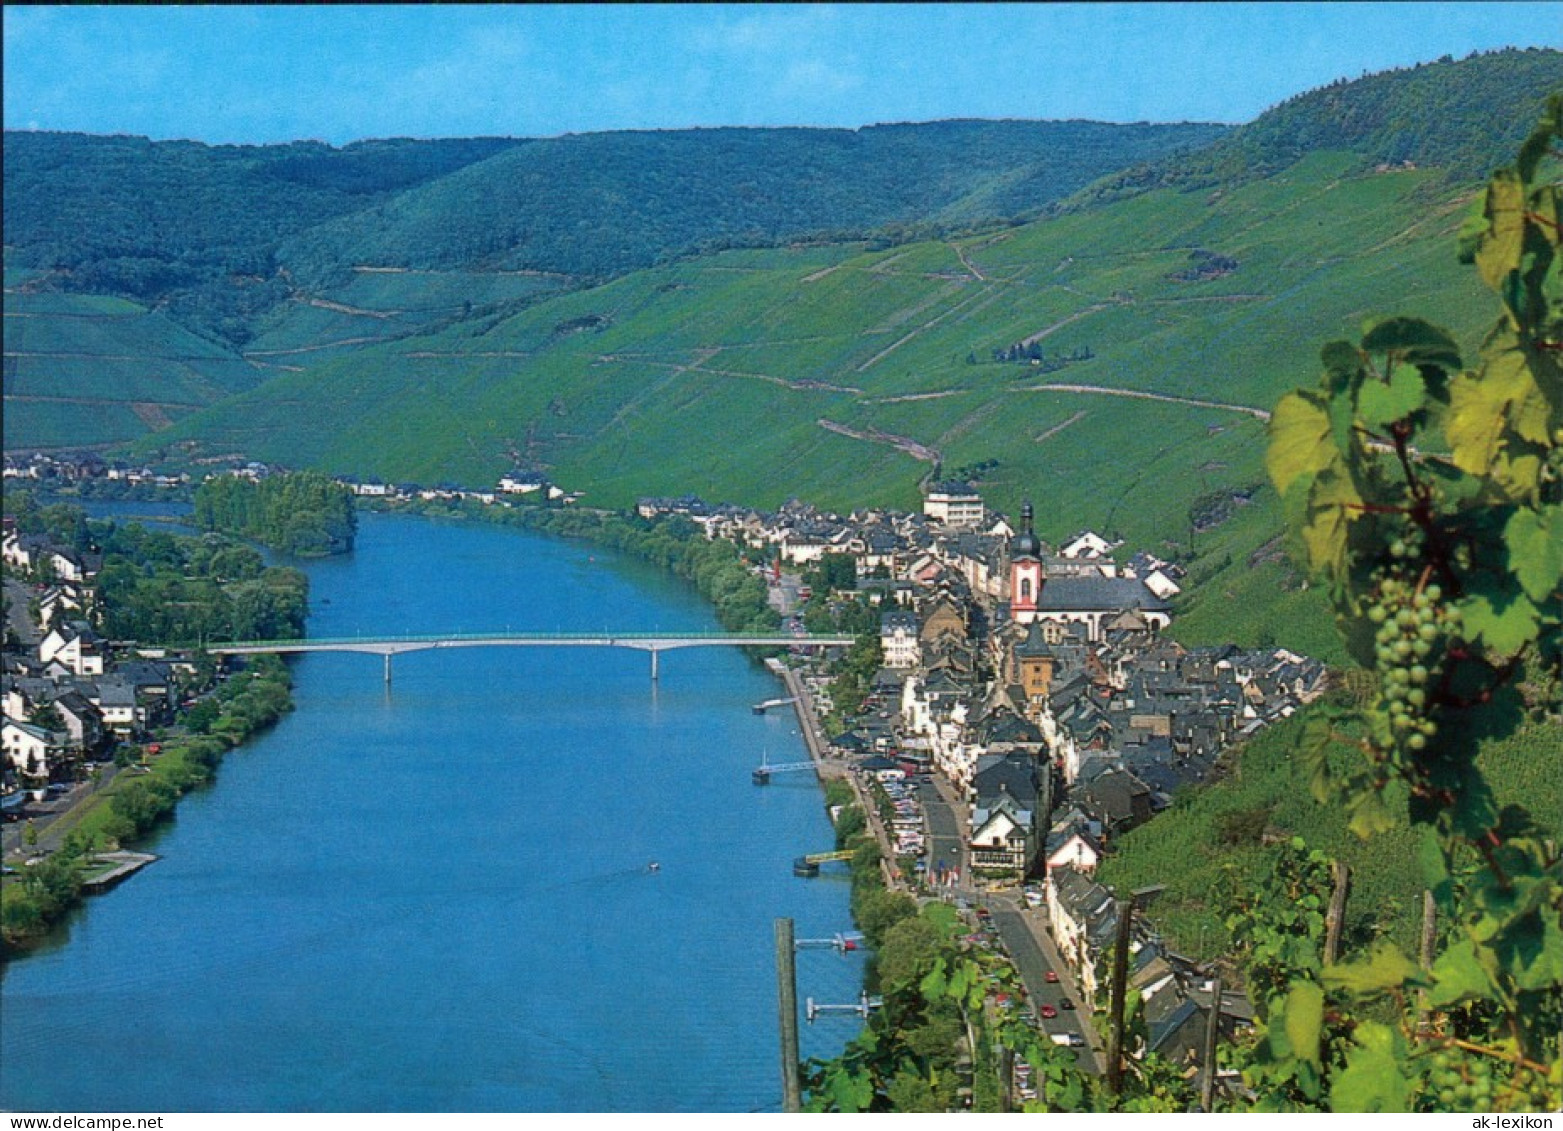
[{"x": 262, "y": 73}]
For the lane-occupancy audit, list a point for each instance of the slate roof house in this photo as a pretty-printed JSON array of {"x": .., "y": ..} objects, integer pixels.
[{"x": 1011, "y": 796}]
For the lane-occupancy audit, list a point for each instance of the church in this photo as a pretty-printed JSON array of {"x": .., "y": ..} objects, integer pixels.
[{"x": 1094, "y": 600}]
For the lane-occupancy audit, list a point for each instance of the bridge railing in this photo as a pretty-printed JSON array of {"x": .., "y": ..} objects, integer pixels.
[{"x": 539, "y": 638}]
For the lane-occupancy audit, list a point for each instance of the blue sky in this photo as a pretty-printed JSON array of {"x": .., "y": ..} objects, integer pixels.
[{"x": 338, "y": 74}]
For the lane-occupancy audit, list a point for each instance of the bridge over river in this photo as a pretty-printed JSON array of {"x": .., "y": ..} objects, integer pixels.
[{"x": 655, "y": 643}]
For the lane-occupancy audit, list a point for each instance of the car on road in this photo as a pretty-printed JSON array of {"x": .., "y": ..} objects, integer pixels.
[
  {"x": 1065, "y": 1003},
  {"x": 1051, "y": 977},
  {"x": 1049, "y": 1012}
]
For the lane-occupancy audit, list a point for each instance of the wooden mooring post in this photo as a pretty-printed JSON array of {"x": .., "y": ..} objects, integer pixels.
[
  {"x": 1335, "y": 917},
  {"x": 787, "y": 993}
]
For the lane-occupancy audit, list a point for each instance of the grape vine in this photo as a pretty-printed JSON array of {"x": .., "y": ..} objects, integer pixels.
[{"x": 1429, "y": 499}]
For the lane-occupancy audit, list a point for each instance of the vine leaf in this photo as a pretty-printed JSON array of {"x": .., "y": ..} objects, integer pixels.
[
  {"x": 1304, "y": 1019},
  {"x": 1369, "y": 814},
  {"x": 1300, "y": 441},
  {"x": 1535, "y": 540},
  {"x": 1537, "y": 953},
  {"x": 1329, "y": 520},
  {"x": 1487, "y": 414},
  {"x": 1385, "y": 969},
  {"x": 1313, "y": 748},
  {"x": 1380, "y": 403},
  {"x": 1415, "y": 340},
  {"x": 1459, "y": 975},
  {"x": 850, "y": 1091},
  {"x": 1504, "y": 238},
  {"x": 1503, "y": 628},
  {"x": 1372, "y": 1079}
]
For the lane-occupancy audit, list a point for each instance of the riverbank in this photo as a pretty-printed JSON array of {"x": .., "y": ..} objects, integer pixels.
[{"x": 53, "y": 874}]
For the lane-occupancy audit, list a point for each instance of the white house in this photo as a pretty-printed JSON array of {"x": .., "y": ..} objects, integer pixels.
[
  {"x": 1082, "y": 916},
  {"x": 28, "y": 749},
  {"x": 1160, "y": 584},
  {"x": 1088, "y": 544},
  {"x": 522, "y": 483},
  {"x": 1077, "y": 851},
  {"x": 122, "y": 711},
  {"x": 76, "y": 646},
  {"x": 898, "y": 640},
  {"x": 59, "y": 602},
  {"x": 1001, "y": 839},
  {"x": 954, "y": 504}
]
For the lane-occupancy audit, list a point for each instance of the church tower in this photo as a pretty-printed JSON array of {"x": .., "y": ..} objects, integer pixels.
[{"x": 1025, "y": 571}]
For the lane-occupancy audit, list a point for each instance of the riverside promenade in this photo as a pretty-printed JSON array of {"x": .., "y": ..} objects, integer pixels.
[
  {"x": 828, "y": 768},
  {"x": 808, "y": 722}
]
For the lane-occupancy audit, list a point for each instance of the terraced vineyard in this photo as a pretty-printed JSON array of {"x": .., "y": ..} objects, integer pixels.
[{"x": 90, "y": 370}]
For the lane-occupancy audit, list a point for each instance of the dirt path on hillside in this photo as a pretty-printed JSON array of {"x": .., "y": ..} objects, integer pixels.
[
  {"x": 1057, "y": 428},
  {"x": 700, "y": 365},
  {"x": 947, "y": 312},
  {"x": 343, "y": 308},
  {"x": 960, "y": 253},
  {"x": 1135, "y": 394},
  {"x": 917, "y": 397},
  {"x": 1055, "y": 327},
  {"x": 99, "y": 402},
  {"x": 143, "y": 357},
  {"x": 874, "y": 436},
  {"x": 315, "y": 348}
]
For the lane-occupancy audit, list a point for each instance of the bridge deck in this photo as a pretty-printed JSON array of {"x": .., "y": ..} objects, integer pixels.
[{"x": 644, "y": 641}]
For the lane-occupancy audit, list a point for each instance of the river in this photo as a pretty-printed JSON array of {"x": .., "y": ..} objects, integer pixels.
[{"x": 437, "y": 897}]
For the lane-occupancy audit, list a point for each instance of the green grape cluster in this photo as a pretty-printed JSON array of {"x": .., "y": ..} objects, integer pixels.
[
  {"x": 1457, "y": 1080},
  {"x": 1412, "y": 631},
  {"x": 1461, "y": 1081},
  {"x": 1529, "y": 1091}
]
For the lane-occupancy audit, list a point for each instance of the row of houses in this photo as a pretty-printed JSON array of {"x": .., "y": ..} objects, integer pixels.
[
  {"x": 76, "y": 467},
  {"x": 67, "y": 694},
  {"x": 79, "y": 467}
]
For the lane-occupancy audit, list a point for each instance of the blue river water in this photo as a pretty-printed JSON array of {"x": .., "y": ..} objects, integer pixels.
[{"x": 437, "y": 897}]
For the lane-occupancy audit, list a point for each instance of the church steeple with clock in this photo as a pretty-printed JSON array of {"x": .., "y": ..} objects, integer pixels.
[{"x": 1025, "y": 571}]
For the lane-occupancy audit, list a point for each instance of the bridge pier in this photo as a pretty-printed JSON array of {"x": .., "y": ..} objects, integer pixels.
[
  {"x": 653, "y": 665},
  {"x": 388, "y": 669}
]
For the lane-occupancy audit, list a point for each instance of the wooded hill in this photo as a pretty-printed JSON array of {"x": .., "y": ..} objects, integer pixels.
[
  {"x": 1165, "y": 311},
  {"x": 220, "y": 235},
  {"x": 297, "y": 253}
]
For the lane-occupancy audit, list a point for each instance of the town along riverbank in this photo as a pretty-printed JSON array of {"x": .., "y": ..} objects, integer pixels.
[
  {"x": 77, "y": 851},
  {"x": 438, "y": 898},
  {"x": 151, "y": 587}
]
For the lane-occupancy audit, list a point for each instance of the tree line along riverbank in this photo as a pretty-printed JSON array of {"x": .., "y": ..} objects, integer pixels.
[
  {"x": 143, "y": 793},
  {"x": 163, "y": 591}
]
